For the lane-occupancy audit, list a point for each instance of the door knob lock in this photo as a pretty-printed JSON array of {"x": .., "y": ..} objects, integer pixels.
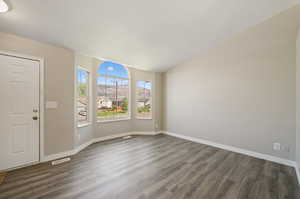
[{"x": 35, "y": 118}]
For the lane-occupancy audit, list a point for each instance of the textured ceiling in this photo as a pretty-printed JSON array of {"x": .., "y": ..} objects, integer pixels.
[{"x": 152, "y": 35}]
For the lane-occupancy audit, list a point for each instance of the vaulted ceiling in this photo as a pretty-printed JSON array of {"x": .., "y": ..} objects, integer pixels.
[{"x": 146, "y": 34}]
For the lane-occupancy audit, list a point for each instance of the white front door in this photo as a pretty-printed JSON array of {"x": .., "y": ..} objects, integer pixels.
[{"x": 19, "y": 112}]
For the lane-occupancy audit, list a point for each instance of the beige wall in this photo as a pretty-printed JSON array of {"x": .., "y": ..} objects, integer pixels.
[
  {"x": 242, "y": 92},
  {"x": 158, "y": 101},
  {"x": 59, "y": 79}
]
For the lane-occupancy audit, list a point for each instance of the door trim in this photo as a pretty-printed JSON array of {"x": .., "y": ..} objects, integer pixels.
[{"x": 41, "y": 97}]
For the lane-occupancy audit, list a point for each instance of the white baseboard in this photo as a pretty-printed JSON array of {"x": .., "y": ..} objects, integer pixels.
[
  {"x": 145, "y": 133},
  {"x": 235, "y": 149},
  {"x": 57, "y": 156},
  {"x": 82, "y": 146},
  {"x": 241, "y": 151},
  {"x": 95, "y": 140},
  {"x": 198, "y": 140},
  {"x": 110, "y": 137},
  {"x": 100, "y": 139}
]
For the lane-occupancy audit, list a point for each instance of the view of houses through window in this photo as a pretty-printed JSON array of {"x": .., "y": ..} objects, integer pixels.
[
  {"x": 112, "y": 92},
  {"x": 82, "y": 96},
  {"x": 143, "y": 100},
  {"x": 112, "y": 100}
]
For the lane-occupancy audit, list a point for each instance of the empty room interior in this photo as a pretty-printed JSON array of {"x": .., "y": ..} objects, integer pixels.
[{"x": 106, "y": 99}]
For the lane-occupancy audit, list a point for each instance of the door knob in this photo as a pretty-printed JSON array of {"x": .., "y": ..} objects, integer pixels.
[{"x": 35, "y": 118}]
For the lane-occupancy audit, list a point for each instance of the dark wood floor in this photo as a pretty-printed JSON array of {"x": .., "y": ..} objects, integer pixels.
[{"x": 156, "y": 167}]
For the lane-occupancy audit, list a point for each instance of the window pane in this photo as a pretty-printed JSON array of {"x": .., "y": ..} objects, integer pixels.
[
  {"x": 122, "y": 98},
  {"x": 143, "y": 100},
  {"x": 82, "y": 95},
  {"x": 112, "y": 92},
  {"x": 113, "y": 69},
  {"x": 106, "y": 90}
]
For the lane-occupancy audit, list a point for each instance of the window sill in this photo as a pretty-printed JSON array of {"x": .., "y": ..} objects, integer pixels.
[
  {"x": 142, "y": 118},
  {"x": 83, "y": 125},
  {"x": 113, "y": 120}
]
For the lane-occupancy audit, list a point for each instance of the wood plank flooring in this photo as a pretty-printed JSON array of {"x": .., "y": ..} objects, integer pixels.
[{"x": 154, "y": 167}]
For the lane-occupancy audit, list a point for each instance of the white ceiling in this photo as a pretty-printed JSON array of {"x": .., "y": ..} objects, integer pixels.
[{"x": 146, "y": 34}]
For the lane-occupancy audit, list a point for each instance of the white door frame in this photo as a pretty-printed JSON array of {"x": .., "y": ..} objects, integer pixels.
[{"x": 41, "y": 97}]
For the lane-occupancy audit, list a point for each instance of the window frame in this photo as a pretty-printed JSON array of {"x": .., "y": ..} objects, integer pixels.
[
  {"x": 90, "y": 103},
  {"x": 99, "y": 120},
  {"x": 151, "y": 103}
]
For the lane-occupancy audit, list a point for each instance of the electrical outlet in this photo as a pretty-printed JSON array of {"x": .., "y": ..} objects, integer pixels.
[
  {"x": 276, "y": 146},
  {"x": 79, "y": 137}
]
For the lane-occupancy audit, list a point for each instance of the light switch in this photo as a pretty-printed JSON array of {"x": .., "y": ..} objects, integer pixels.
[{"x": 51, "y": 105}]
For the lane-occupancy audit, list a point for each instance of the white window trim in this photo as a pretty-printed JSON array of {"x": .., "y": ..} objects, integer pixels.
[
  {"x": 144, "y": 118},
  {"x": 151, "y": 104},
  {"x": 90, "y": 114},
  {"x": 115, "y": 120},
  {"x": 98, "y": 120},
  {"x": 83, "y": 124}
]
